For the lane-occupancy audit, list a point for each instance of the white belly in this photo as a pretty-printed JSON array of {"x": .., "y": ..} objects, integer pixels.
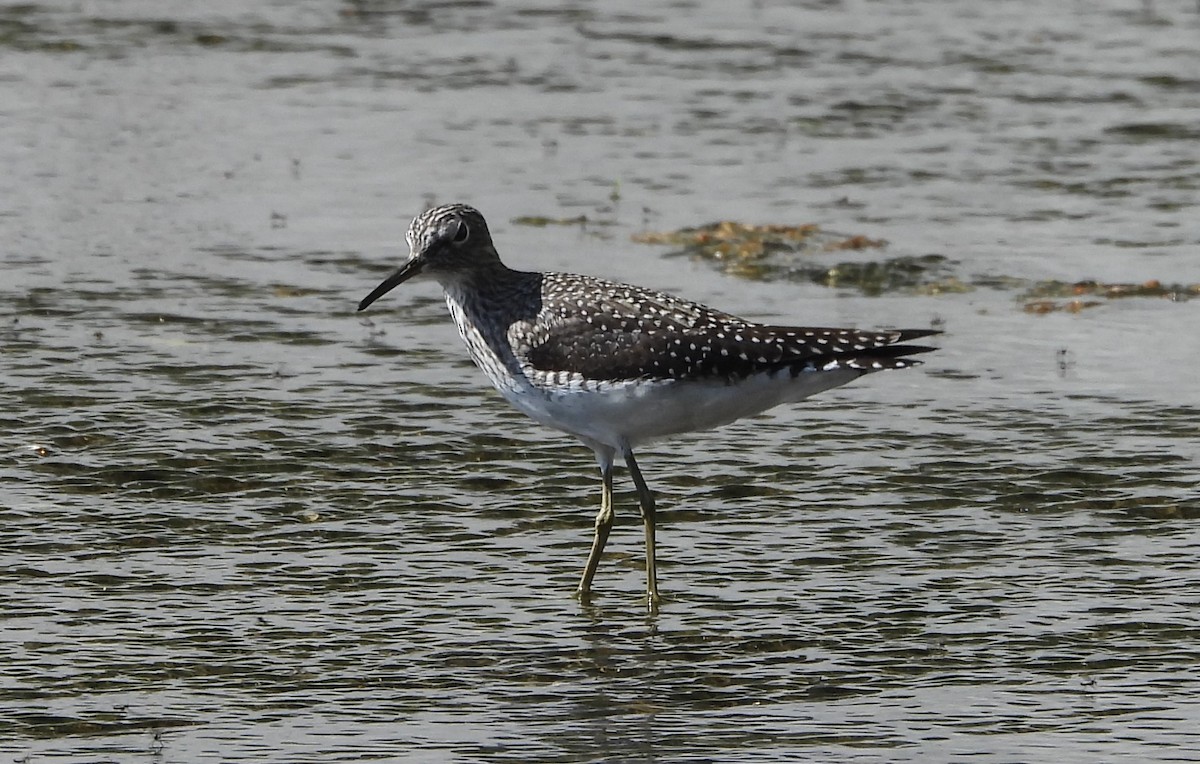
[{"x": 625, "y": 414}]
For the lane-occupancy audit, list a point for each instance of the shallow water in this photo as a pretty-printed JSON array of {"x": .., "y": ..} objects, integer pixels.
[{"x": 241, "y": 522}]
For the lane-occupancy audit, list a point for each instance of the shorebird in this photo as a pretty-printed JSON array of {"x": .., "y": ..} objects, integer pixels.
[{"x": 617, "y": 365}]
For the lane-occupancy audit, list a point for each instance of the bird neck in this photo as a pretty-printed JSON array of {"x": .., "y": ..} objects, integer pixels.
[{"x": 494, "y": 291}]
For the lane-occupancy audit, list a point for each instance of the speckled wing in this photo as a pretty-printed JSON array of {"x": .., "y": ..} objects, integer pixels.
[{"x": 606, "y": 331}]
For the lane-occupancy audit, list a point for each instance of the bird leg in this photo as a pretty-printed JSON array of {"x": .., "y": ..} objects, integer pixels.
[
  {"x": 646, "y": 500},
  {"x": 604, "y": 524}
]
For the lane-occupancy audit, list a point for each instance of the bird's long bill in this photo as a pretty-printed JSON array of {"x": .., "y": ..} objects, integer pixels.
[{"x": 406, "y": 272}]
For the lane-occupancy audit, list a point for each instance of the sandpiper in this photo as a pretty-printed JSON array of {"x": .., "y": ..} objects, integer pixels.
[{"x": 617, "y": 365}]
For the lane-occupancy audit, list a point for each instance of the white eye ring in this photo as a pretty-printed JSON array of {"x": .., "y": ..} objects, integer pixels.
[{"x": 462, "y": 234}]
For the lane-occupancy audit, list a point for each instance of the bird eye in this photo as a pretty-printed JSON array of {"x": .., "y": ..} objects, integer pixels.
[{"x": 462, "y": 234}]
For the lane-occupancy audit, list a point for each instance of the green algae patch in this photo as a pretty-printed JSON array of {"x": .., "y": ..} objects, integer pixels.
[
  {"x": 1075, "y": 297},
  {"x": 875, "y": 277},
  {"x": 794, "y": 252},
  {"x": 538, "y": 221},
  {"x": 731, "y": 241},
  {"x": 1150, "y": 288}
]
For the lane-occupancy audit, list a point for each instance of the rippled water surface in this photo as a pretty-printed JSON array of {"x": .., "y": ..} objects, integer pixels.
[{"x": 241, "y": 522}]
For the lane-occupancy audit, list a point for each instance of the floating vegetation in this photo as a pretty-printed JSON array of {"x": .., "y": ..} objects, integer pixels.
[
  {"x": 1151, "y": 288},
  {"x": 1060, "y": 296},
  {"x": 773, "y": 252},
  {"x": 948, "y": 285},
  {"x": 876, "y": 277},
  {"x": 1050, "y": 306},
  {"x": 598, "y": 226},
  {"x": 728, "y": 240},
  {"x": 538, "y": 221}
]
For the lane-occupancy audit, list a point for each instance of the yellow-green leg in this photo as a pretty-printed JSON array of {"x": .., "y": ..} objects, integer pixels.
[
  {"x": 646, "y": 500},
  {"x": 604, "y": 524}
]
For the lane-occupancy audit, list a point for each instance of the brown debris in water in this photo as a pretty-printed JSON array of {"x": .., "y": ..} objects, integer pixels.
[
  {"x": 730, "y": 240},
  {"x": 948, "y": 285},
  {"x": 1050, "y": 306},
  {"x": 539, "y": 221},
  {"x": 1041, "y": 298},
  {"x": 856, "y": 242},
  {"x": 788, "y": 252}
]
